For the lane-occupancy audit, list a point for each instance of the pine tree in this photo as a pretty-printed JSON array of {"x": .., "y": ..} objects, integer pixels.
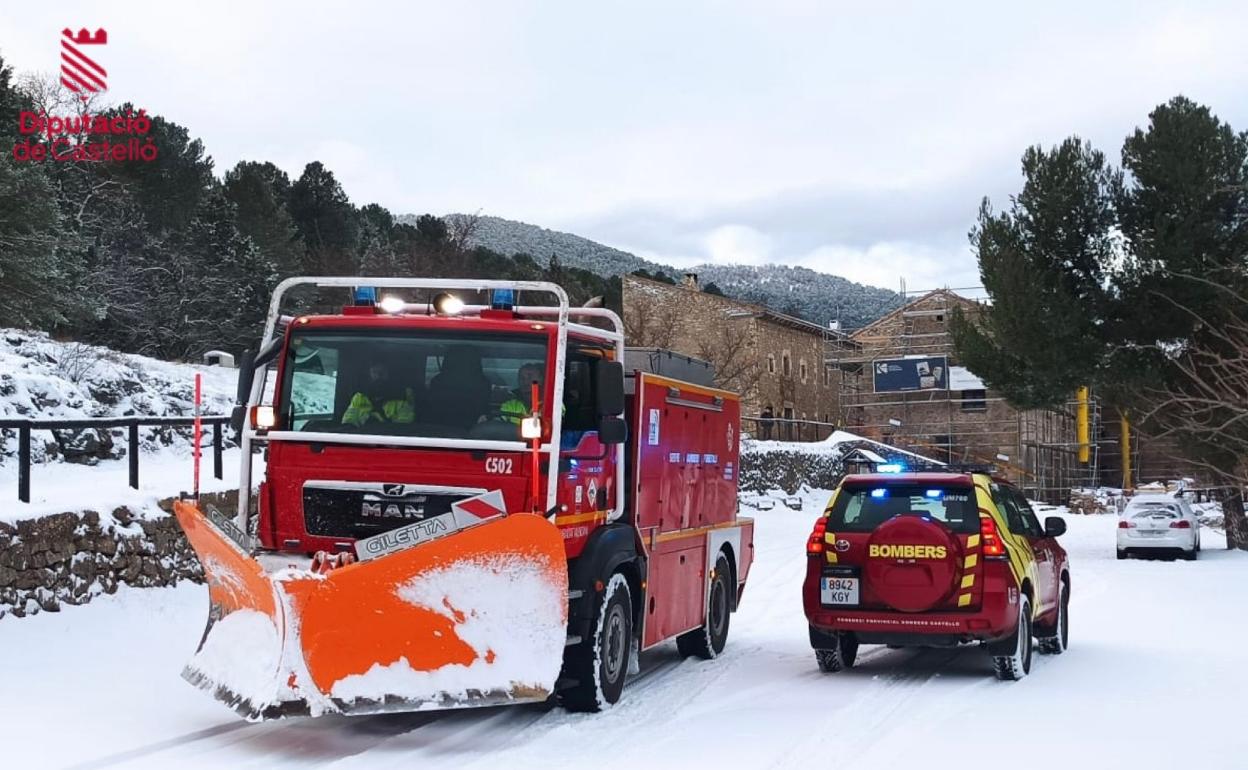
[
  {"x": 1184, "y": 213},
  {"x": 326, "y": 221},
  {"x": 29, "y": 228},
  {"x": 169, "y": 189},
  {"x": 258, "y": 192},
  {"x": 1045, "y": 264}
]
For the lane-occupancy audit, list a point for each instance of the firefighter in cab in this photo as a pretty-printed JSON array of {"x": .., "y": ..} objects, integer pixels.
[{"x": 381, "y": 400}]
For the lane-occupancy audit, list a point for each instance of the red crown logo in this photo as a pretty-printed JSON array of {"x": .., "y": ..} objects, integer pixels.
[{"x": 79, "y": 72}]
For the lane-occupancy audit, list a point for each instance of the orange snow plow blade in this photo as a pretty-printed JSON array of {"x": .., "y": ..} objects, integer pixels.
[{"x": 477, "y": 617}]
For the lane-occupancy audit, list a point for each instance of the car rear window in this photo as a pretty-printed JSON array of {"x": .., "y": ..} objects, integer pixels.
[
  {"x": 1165, "y": 510},
  {"x": 863, "y": 508}
]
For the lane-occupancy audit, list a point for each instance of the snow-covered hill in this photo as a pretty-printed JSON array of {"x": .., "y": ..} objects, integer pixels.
[
  {"x": 815, "y": 296},
  {"x": 43, "y": 378}
]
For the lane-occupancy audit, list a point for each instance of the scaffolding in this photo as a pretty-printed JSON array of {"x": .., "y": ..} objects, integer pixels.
[{"x": 1035, "y": 448}]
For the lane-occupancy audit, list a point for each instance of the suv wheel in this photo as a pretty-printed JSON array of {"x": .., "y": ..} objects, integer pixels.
[
  {"x": 841, "y": 656},
  {"x": 1017, "y": 664},
  {"x": 1056, "y": 639}
]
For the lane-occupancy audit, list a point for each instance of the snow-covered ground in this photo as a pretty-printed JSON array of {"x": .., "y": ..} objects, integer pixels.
[{"x": 1154, "y": 678}]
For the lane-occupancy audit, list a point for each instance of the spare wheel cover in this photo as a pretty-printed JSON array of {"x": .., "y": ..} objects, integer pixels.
[{"x": 913, "y": 563}]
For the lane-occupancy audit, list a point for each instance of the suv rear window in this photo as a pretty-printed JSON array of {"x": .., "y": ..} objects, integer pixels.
[{"x": 863, "y": 508}]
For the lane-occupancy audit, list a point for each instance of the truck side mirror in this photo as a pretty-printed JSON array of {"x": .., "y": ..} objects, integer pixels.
[
  {"x": 246, "y": 374},
  {"x": 609, "y": 387},
  {"x": 1054, "y": 526},
  {"x": 612, "y": 430}
]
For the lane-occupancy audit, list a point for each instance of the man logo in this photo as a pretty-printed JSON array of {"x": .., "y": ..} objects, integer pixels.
[
  {"x": 393, "y": 490},
  {"x": 79, "y": 72}
]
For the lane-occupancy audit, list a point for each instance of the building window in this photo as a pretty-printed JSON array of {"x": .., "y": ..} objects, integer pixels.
[
  {"x": 787, "y": 365},
  {"x": 974, "y": 401},
  {"x": 771, "y": 364},
  {"x": 803, "y": 369}
]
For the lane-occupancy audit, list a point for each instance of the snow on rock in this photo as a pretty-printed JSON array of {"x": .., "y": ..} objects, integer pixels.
[
  {"x": 44, "y": 378},
  {"x": 505, "y": 608}
]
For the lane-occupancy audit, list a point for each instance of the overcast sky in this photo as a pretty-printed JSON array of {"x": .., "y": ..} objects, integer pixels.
[{"x": 852, "y": 141}]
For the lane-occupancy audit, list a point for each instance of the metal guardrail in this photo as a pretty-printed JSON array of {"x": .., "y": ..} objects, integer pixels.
[
  {"x": 24, "y": 427},
  {"x": 789, "y": 429}
]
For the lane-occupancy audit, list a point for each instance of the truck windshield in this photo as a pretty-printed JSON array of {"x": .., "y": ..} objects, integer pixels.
[
  {"x": 862, "y": 509},
  {"x": 434, "y": 384}
]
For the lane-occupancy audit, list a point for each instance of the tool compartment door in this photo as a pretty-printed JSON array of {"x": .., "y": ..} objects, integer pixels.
[{"x": 676, "y": 600}]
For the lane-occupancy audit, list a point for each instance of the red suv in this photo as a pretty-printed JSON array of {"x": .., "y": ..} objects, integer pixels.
[{"x": 932, "y": 560}]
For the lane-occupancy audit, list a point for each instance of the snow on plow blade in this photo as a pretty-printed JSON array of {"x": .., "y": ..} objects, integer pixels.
[{"x": 474, "y": 618}]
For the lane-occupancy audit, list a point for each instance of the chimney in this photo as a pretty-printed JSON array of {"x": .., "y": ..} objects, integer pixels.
[
  {"x": 691, "y": 281},
  {"x": 834, "y": 325}
]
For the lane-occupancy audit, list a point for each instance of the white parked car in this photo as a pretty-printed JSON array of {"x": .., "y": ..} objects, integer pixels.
[{"x": 1157, "y": 524}]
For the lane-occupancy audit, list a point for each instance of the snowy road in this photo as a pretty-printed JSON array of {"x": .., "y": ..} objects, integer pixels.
[{"x": 1154, "y": 677}]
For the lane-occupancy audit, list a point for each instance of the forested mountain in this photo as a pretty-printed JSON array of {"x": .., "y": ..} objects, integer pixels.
[
  {"x": 167, "y": 256},
  {"x": 815, "y": 296}
]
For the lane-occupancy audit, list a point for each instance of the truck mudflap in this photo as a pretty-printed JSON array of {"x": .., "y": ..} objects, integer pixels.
[{"x": 474, "y": 618}]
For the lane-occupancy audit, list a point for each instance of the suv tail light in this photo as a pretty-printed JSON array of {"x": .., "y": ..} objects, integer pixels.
[
  {"x": 814, "y": 545},
  {"x": 1124, "y": 524},
  {"x": 991, "y": 539},
  {"x": 1181, "y": 524}
]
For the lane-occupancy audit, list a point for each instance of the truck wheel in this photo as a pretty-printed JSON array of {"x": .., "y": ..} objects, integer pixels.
[
  {"x": 708, "y": 641},
  {"x": 1121, "y": 554},
  {"x": 840, "y": 657},
  {"x": 1017, "y": 664},
  {"x": 599, "y": 665},
  {"x": 1055, "y": 639}
]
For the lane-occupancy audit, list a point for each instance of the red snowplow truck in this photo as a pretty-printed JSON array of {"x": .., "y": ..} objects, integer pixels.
[{"x": 463, "y": 505}]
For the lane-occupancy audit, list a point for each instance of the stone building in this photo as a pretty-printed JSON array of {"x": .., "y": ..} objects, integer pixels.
[
  {"x": 951, "y": 415},
  {"x": 772, "y": 359}
]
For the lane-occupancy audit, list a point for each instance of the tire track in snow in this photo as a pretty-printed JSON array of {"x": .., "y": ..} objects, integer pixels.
[{"x": 868, "y": 719}]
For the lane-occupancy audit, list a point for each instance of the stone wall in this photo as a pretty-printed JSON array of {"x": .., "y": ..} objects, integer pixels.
[{"x": 70, "y": 558}]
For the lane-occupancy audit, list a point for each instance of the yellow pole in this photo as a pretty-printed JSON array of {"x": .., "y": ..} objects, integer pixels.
[
  {"x": 1126, "y": 452},
  {"x": 1081, "y": 423}
]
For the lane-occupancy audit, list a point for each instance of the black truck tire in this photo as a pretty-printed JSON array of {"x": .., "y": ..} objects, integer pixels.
[
  {"x": 599, "y": 665},
  {"x": 709, "y": 640}
]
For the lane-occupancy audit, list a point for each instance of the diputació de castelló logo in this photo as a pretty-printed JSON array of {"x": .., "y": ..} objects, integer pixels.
[{"x": 84, "y": 136}]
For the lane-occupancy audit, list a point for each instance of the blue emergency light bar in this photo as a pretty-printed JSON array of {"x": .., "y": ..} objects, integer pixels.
[
  {"x": 881, "y": 492},
  {"x": 502, "y": 299},
  {"x": 365, "y": 295},
  {"x": 935, "y": 494},
  {"x": 889, "y": 468}
]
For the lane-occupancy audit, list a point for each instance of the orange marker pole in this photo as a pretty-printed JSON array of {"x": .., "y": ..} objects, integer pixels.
[
  {"x": 199, "y": 429},
  {"x": 537, "y": 443}
]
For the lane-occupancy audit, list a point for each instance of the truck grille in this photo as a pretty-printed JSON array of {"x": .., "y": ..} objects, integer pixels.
[{"x": 356, "y": 510}]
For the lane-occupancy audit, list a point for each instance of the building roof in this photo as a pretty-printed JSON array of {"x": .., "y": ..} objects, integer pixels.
[
  {"x": 761, "y": 312},
  {"x": 943, "y": 293}
]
